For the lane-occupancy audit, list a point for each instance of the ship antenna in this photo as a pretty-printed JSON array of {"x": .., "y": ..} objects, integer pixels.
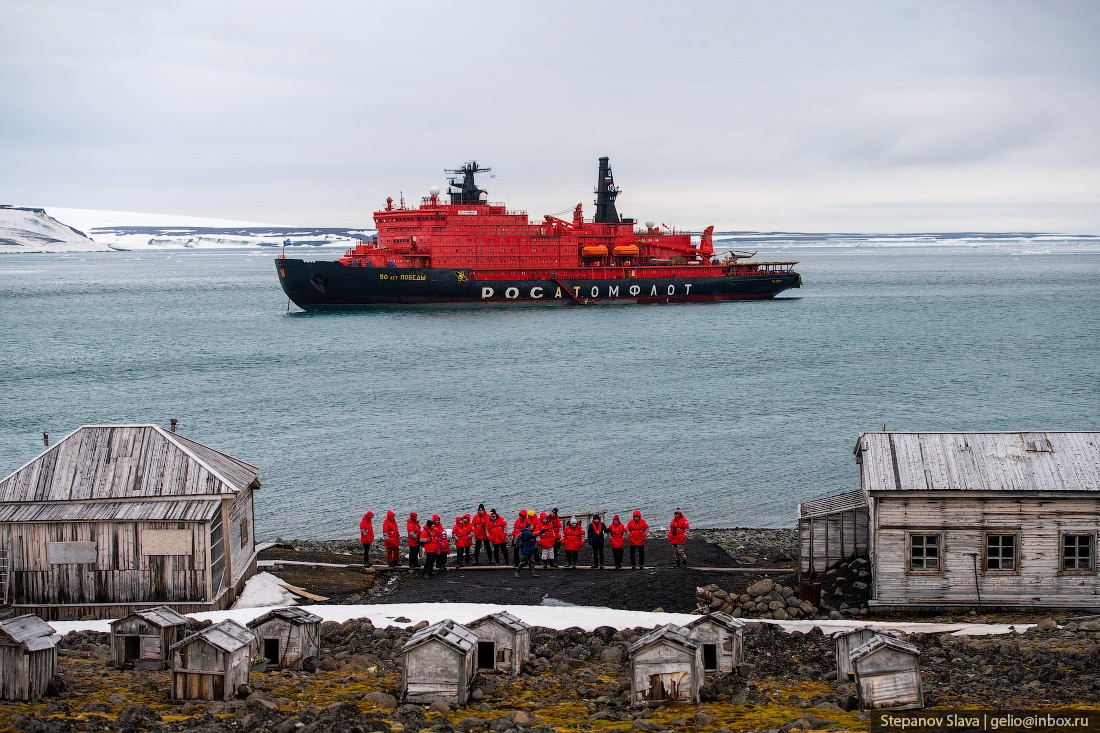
[
  {"x": 468, "y": 192},
  {"x": 606, "y": 191}
]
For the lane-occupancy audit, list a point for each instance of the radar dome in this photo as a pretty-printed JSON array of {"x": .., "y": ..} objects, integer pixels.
[
  {"x": 483, "y": 195},
  {"x": 649, "y": 223},
  {"x": 434, "y": 190}
]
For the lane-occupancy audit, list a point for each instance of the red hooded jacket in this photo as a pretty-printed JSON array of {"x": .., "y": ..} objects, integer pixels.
[
  {"x": 546, "y": 534},
  {"x": 391, "y": 536},
  {"x": 481, "y": 522},
  {"x": 573, "y": 537},
  {"x": 498, "y": 530},
  {"x": 366, "y": 529},
  {"x": 412, "y": 529},
  {"x": 616, "y": 532},
  {"x": 677, "y": 529},
  {"x": 429, "y": 540},
  {"x": 463, "y": 532},
  {"x": 636, "y": 528}
]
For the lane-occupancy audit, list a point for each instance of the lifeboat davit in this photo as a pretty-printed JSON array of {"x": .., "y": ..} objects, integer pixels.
[
  {"x": 626, "y": 250},
  {"x": 594, "y": 250}
]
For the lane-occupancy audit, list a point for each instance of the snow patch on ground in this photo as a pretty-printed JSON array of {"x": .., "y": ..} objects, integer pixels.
[{"x": 264, "y": 590}]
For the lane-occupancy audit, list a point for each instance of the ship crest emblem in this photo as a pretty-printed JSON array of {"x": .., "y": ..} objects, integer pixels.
[{"x": 462, "y": 276}]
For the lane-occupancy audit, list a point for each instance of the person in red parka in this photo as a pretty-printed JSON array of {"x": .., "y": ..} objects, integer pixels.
[
  {"x": 497, "y": 528},
  {"x": 463, "y": 533},
  {"x": 481, "y": 535},
  {"x": 616, "y": 533},
  {"x": 430, "y": 544},
  {"x": 677, "y": 536},
  {"x": 391, "y": 539},
  {"x": 517, "y": 530},
  {"x": 366, "y": 535},
  {"x": 412, "y": 537},
  {"x": 636, "y": 530},
  {"x": 546, "y": 539},
  {"x": 572, "y": 540},
  {"x": 442, "y": 544},
  {"x": 556, "y": 523}
]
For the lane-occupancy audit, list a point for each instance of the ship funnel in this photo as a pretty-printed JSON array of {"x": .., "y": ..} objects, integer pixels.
[{"x": 605, "y": 195}]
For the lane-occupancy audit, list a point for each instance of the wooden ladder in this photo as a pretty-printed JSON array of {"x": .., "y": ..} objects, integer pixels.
[{"x": 3, "y": 577}]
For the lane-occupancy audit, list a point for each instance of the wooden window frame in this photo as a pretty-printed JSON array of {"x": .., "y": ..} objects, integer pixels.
[
  {"x": 244, "y": 533},
  {"x": 1062, "y": 570},
  {"x": 909, "y": 535},
  {"x": 1016, "y": 555}
]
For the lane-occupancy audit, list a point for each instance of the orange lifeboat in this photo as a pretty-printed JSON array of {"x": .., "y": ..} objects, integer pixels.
[
  {"x": 626, "y": 250},
  {"x": 594, "y": 250}
]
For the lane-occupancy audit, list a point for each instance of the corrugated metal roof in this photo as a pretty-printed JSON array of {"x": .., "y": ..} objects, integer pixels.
[
  {"x": 103, "y": 462},
  {"x": 845, "y": 502},
  {"x": 29, "y": 632},
  {"x": 290, "y": 613},
  {"x": 161, "y": 616},
  {"x": 175, "y": 510},
  {"x": 452, "y": 634},
  {"x": 504, "y": 618},
  {"x": 669, "y": 632},
  {"x": 228, "y": 635},
  {"x": 722, "y": 619},
  {"x": 879, "y": 642},
  {"x": 1033, "y": 462}
]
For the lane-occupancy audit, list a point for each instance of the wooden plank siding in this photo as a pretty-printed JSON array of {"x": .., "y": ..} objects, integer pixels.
[{"x": 832, "y": 529}]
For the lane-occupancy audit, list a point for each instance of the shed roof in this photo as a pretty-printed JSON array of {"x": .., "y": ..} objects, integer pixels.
[
  {"x": 671, "y": 633},
  {"x": 1048, "y": 462},
  {"x": 452, "y": 634},
  {"x": 228, "y": 635},
  {"x": 161, "y": 616},
  {"x": 861, "y": 629},
  {"x": 165, "y": 510},
  {"x": 877, "y": 642},
  {"x": 29, "y": 632},
  {"x": 505, "y": 619},
  {"x": 722, "y": 619},
  {"x": 846, "y": 502},
  {"x": 125, "y": 462},
  {"x": 290, "y": 613}
]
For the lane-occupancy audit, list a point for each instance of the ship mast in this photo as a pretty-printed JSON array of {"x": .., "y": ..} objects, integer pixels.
[
  {"x": 606, "y": 191},
  {"x": 468, "y": 192}
]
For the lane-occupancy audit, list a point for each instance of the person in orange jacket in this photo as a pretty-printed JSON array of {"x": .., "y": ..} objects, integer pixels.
[
  {"x": 545, "y": 540},
  {"x": 391, "y": 539},
  {"x": 636, "y": 530},
  {"x": 366, "y": 535},
  {"x": 616, "y": 533},
  {"x": 497, "y": 528},
  {"x": 517, "y": 530},
  {"x": 442, "y": 544},
  {"x": 481, "y": 535},
  {"x": 572, "y": 540},
  {"x": 431, "y": 545},
  {"x": 463, "y": 532},
  {"x": 677, "y": 536},
  {"x": 412, "y": 537},
  {"x": 555, "y": 522}
]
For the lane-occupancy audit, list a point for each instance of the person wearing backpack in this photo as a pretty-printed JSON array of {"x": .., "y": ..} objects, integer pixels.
[{"x": 526, "y": 543}]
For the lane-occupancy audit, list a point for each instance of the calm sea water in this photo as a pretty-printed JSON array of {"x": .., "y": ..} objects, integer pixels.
[{"x": 735, "y": 412}]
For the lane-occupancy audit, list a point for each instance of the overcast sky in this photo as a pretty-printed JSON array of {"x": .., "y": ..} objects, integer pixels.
[{"x": 808, "y": 116}]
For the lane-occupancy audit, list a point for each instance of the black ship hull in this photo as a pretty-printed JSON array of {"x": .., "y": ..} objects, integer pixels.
[{"x": 330, "y": 285}]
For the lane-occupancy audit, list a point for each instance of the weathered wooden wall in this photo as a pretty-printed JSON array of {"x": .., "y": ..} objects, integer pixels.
[
  {"x": 201, "y": 671},
  {"x": 680, "y": 671},
  {"x": 827, "y": 539},
  {"x": 435, "y": 671},
  {"x": 889, "y": 680},
  {"x": 964, "y": 518},
  {"x": 517, "y": 645},
  {"x": 241, "y": 534},
  {"x": 297, "y": 641},
  {"x": 727, "y": 643},
  {"x": 26, "y": 676}
]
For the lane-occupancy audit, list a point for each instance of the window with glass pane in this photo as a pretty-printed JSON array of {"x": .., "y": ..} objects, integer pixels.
[
  {"x": 1077, "y": 552},
  {"x": 1000, "y": 552},
  {"x": 924, "y": 552}
]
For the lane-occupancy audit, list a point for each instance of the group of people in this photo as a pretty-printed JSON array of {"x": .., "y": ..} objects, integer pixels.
[{"x": 536, "y": 538}]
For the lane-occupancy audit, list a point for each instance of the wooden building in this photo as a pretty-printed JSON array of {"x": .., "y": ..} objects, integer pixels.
[
  {"x": 987, "y": 520},
  {"x": 439, "y": 663},
  {"x": 722, "y": 638},
  {"x": 286, "y": 637},
  {"x": 28, "y": 658},
  {"x": 143, "y": 638},
  {"x": 503, "y": 642},
  {"x": 212, "y": 663},
  {"x": 830, "y": 530},
  {"x": 666, "y": 666},
  {"x": 887, "y": 672},
  {"x": 848, "y": 640},
  {"x": 115, "y": 518}
]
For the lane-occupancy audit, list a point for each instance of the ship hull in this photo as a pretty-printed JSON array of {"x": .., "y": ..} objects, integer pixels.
[{"x": 328, "y": 285}]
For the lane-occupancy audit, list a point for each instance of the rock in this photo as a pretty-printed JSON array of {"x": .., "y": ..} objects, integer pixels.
[
  {"x": 439, "y": 707},
  {"x": 381, "y": 699},
  {"x": 761, "y": 587},
  {"x": 402, "y": 620},
  {"x": 137, "y": 718},
  {"x": 521, "y": 718},
  {"x": 746, "y": 669},
  {"x": 780, "y": 615},
  {"x": 1046, "y": 624},
  {"x": 1090, "y": 625},
  {"x": 477, "y": 695},
  {"x": 613, "y": 655}
]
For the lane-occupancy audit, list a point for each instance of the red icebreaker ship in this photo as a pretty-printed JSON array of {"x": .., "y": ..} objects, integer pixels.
[{"x": 469, "y": 251}]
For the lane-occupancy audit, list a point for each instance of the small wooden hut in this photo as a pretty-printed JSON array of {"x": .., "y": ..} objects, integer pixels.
[
  {"x": 28, "y": 658},
  {"x": 115, "y": 518},
  {"x": 144, "y": 637},
  {"x": 722, "y": 637},
  {"x": 439, "y": 663},
  {"x": 503, "y": 642},
  {"x": 287, "y": 637},
  {"x": 666, "y": 666},
  {"x": 212, "y": 663},
  {"x": 887, "y": 672}
]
